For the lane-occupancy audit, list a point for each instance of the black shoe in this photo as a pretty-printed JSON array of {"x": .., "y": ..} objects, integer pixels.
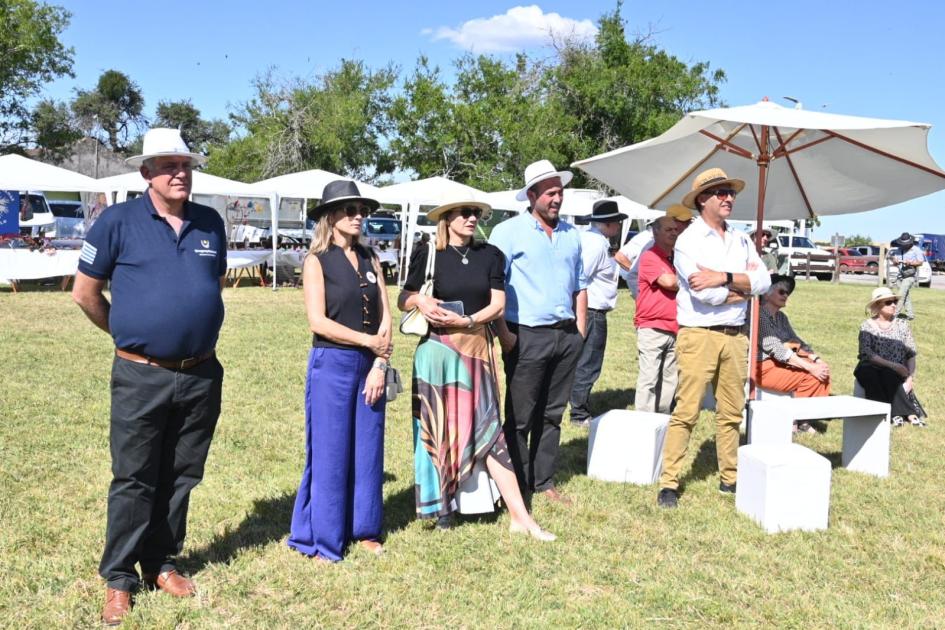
[
  {"x": 726, "y": 488},
  {"x": 667, "y": 498},
  {"x": 445, "y": 522}
]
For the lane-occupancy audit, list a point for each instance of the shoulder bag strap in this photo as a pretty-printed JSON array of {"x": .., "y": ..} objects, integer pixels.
[{"x": 431, "y": 260}]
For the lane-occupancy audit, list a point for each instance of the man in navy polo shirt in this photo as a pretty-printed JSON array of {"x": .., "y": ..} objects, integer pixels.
[
  {"x": 542, "y": 331},
  {"x": 166, "y": 260}
]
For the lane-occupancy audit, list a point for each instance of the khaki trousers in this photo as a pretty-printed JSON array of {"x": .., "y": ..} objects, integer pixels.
[
  {"x": 707, "y": 356},
  {"x": 657, "y": 376}
]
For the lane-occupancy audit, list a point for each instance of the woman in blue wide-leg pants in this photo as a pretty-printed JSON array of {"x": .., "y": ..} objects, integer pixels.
[{"x": 340, "y": 495}]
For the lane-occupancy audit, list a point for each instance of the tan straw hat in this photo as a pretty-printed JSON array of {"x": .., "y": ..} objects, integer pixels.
[
  {"x": 880, "y": 294},
  {"x": 437, "y": 212},
  {"x": 710, "y": 179},
  {"x": 679, "y": 212}
]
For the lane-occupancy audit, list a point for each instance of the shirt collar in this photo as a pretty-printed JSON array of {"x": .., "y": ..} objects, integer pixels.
[{"x": 531, "y": 217}]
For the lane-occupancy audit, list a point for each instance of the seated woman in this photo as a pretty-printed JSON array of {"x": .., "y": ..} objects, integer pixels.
[
  {"x": 787, "y": 362},
  {"x": 887, "y": 359},
  {"x": 455, "y": 391}
]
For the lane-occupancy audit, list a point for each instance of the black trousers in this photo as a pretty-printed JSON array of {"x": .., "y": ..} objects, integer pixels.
[
  {"x": 162, "y": 422},
  {"x": 539, "y": 372},
  {"x": 884, "y": 385}
]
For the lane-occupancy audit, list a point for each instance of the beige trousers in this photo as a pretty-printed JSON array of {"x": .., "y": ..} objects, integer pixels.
[{"x": 707, "y": 356}]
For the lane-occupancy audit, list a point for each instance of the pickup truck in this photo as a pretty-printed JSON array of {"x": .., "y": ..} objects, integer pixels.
[
  {"x": 852, "y": 261},
  {"x": 804, "y": 257}
]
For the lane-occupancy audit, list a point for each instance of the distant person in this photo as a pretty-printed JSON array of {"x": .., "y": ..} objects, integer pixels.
[
  {"x": 718, "y": 269},
  {"x": 787, "y": 362},
  {"x": 165, "y": 259},
  {"x": 543, "y": 329},
  {"x": 768, "y": 247},
  {"x": 339, "y": 499},
  {"x": 886, "y": 367},
  {"x": 456, "y": 419},
  {"x": 600, "y": 270},
  {"x": 655, "y": 320},
  {"x": 629, "y": 256},
  {"x": 909, "y": 260}
]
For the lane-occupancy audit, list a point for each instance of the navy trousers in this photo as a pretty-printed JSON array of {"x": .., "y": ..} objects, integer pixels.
[
  {"x": 589, "y": 364},
  {"x": 162, "y": 422},
  {"x": 340, "y": 497}
]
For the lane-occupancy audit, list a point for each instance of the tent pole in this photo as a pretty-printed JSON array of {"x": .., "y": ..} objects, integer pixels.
[
  {"x": 754, "y": 368},
  {"x": 274, "y": 221}
]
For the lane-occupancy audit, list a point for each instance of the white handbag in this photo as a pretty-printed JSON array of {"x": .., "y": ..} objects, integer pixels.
[{"x": 413, "y": 322}]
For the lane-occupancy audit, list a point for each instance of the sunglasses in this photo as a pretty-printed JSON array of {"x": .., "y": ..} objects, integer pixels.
[
  {"x": 889, "y": 302},
  {"x": 722, "y": 193},
  {"x": 783, "y": 292},
  {"x": 469, "y": 211},
  {"x": 354, "y": 209}
]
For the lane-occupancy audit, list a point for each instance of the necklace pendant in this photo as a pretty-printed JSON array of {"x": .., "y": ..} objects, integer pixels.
[{"x": 465, "y": 260}]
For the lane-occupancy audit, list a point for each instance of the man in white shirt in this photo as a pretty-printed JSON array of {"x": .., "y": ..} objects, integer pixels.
[
  {"x": 628, "y": 258},
  {"x": 601, "y": 273},
  {"x": 718, "y": 269}
]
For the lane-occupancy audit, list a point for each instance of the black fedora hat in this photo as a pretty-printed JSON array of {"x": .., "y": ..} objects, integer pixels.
[
  {"x": 904, "y": 242},
  {"x": 605, "y": 211},
  {"x": 784, "y": 279},
  {"x": 337, "y": 193}
]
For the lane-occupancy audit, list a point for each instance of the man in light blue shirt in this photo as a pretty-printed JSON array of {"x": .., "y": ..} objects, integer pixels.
[{"x": 543, "y": 329}]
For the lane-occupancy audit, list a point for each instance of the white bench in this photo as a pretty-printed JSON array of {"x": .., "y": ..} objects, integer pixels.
[
  {"x": 865, "y": 427},
  {"x": 626, "y": 446},
  {"x": 783, "y": 487}
]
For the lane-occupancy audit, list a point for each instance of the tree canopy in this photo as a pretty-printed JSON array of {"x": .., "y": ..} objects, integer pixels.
[
  {"x": 30, "y": 56},
  {"x": 113, "y": 110}
]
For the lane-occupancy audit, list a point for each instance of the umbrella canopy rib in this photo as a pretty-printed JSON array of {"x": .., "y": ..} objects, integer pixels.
[
  {"x": 797, "y": 180},
  {"x": 885, "y": 154}
]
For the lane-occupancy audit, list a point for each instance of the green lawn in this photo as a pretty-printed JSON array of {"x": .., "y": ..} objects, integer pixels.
[{"x": 618, "y": 561}]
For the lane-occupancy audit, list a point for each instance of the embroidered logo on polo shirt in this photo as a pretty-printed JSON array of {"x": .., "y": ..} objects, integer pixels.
[
  {"x": 205, "y": 244},
  {"x": 206, "y": 252}
]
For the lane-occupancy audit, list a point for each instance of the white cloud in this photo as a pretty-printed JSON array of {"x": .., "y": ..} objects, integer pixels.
[{"x": 516, "y": 29}]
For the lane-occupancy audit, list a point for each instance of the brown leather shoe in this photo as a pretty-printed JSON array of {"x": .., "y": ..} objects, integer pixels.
[
  {"x": 171, "y": 582},
  {"x": 117, "y": 605},
  {"x": 552, "y": 494}
]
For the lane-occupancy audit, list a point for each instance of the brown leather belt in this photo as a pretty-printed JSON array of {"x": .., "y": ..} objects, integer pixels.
[
  {"x": 176, "y": 364},
  {"x": 728, "y": 330}
]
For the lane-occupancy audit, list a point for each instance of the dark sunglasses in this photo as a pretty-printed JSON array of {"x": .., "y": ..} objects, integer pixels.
[
  {"x": 888, "y": 302},
  {"x": 353, "y": 209},
  {"x": 783, "y": 292},
  {"x": 722, "y": 193},
  {"x": 469, "y": 211}
]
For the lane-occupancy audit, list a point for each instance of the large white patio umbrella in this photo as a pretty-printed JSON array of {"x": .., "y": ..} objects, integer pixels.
[{"x": 796, "y": 164}]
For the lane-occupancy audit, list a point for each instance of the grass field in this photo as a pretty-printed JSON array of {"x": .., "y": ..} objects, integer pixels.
[{"x": 619, "y": 561}]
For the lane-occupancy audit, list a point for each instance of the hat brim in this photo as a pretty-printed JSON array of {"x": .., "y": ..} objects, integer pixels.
[
  {"x": 690, "y": 199},
  {"x": 605, "y": 218},
  {"x": 565, "y": 176},
  {"x": 788, "y": 280},
  {"x": 138, "y": 160},
  {"x": 891, "y": 296},
  {"x": 439, "y": 211},
  {"x": 318, "y": 211}
]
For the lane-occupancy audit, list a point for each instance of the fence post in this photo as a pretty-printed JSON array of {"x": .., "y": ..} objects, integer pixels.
[
  {"x": 836, "y": 265},
  {"x": 808, "y": 266}
]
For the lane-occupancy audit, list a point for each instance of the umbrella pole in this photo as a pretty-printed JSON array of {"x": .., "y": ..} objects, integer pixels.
[{"x": 754, "y": 368}]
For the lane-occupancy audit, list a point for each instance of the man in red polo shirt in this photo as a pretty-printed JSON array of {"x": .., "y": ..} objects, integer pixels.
[{"x": 655, "y": 320}]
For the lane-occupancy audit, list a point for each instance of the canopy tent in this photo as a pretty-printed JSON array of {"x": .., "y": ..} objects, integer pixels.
[
  {"x": 307, "y": 184},
  {"x": 412, "y": 196},
  {"x": 21, "y": 173}
]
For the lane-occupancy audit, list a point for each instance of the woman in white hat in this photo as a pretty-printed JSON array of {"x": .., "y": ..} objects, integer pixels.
[
  {"x": 457, "y": 427},
  {"x": 886, "y": 367}
]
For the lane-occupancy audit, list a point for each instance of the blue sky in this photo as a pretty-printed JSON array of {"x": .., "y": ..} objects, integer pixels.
[{"x": 866, "y": 58}]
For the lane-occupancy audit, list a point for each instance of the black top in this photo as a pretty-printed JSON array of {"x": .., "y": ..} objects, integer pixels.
[
  {"x": 352, "y": 298},
  {"x": 452, "y": 280}
]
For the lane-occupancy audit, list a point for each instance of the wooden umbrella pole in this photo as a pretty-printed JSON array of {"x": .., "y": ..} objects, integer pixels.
[{"x": 754, "y": 368}]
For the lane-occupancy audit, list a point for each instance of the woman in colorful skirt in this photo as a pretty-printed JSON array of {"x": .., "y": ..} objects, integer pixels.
[
  {"x": 455, "y": 389},
  {"x": 339, "y": 499}
]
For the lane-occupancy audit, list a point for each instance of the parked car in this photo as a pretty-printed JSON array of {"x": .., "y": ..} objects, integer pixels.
[
  {"x": 923, "y": 275},
  {"x": 796, "y": 248},
  {"x": 380, "y": 230},
  {"x": 852, "y": 261},
  {"x": 36, "y": 218},
  {"x": 70, "y": 218}
]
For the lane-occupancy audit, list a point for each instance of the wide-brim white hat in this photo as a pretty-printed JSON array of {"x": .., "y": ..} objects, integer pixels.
[
  {"x": 162, "y": 142},
  {"x": 540, "y": 171}
]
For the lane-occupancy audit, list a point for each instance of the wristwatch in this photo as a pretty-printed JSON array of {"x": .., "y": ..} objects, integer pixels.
[
  {"x": 381, "y": 365},
  {"x": 728, "y": 279},
  {"x": 471, "y": 323}
]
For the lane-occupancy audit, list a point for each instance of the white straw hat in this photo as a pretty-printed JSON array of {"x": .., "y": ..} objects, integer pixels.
[
  {"x": 538, "y": 172},
  {"x": 161, "y": 142}
]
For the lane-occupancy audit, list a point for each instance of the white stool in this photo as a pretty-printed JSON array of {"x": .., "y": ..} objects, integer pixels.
[
  {"x": 626, "y": 446},
  {"x": 783, "y": 487},
  {"x": 769, "y": 394}
]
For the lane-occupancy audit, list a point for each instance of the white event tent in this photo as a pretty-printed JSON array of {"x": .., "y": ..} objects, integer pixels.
[{"x": 21, "y": 173}]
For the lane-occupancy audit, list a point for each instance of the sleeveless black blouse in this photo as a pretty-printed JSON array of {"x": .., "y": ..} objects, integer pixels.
[{"x": 352, "y": 298}]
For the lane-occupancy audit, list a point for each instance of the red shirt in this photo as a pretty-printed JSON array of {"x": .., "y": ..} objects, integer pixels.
[{"x": 656, "y": 306}]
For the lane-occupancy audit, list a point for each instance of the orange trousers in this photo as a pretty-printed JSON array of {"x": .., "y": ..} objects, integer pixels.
[{"x": 786, "y": 378}]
